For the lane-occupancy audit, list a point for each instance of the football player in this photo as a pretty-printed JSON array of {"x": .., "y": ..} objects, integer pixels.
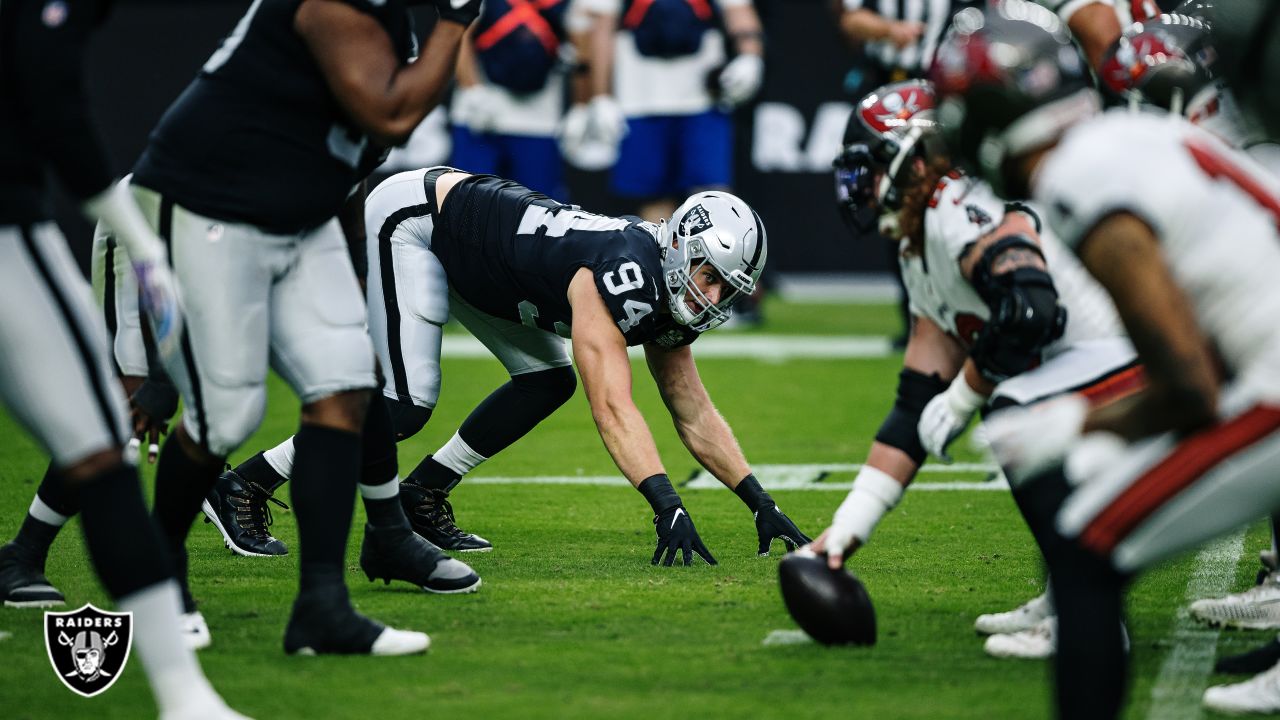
[
  {"x": 244, "y": 177},
  {"x": 1003, "y": 316},
  {"x": 1191, "y": 270},
  {"x": 522, "y": 272},
  {"x": 56, "y": 379}
]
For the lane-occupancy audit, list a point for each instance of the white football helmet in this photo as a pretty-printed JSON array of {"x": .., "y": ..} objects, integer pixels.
[{"x": 717, "y": 228}]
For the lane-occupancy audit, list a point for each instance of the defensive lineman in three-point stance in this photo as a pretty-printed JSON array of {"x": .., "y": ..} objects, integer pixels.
[{"x": 522, "y": 271}]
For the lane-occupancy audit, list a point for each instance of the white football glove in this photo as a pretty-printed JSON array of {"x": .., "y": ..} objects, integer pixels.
[
  {"x": 1028, "y": 441},
  {"x": 475, "y": 107},
  {"x": 874, "y": 493},
  {"x": 590, "y": 132},
  {"x": 947, "y": 415},
  {"x": 740, "y": 79}
]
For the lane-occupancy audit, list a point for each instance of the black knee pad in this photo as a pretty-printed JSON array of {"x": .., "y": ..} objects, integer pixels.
[
  {"x": 553, "y": 387},
  {"x": 406, "y": 418}
]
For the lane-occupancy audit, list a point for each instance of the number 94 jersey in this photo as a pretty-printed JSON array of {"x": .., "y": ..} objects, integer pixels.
[{"x": 512, "y": 252}]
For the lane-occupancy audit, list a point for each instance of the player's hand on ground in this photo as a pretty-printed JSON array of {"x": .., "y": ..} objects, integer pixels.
[
  {"x": 772, "y": 524},
  {"x": 150, "y": 407},
  {"x": 836, "y": 546},
  {"x": 677, "y": 534}
]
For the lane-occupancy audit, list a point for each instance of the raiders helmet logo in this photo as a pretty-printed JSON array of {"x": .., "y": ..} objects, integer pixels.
[
  {"x": 695, "y": 221},
  {"x": 88, "y": 648}
]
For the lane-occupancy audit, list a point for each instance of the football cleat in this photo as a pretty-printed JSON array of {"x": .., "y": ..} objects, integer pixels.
[
  {"x": 1251, "y": 662},
  {"x": 22, "y": 580},
  {"x": 238, "y": 509},
  {"x": 1258, "y": 695},
  {"x": 1023, "y": 617},
  {"x": 832, "y": 606},
  {"x": 326, "y": 624},
  {"x": 1035, "y": 643},
  {"x": 400, "y": 554},
  {"x": 1257, "y": 608},
  {"x": 195, "y": 631},
  {"x": 431, "y": 516}
]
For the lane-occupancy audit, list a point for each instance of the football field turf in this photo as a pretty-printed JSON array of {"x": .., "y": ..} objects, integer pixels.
[{"x": 573, "y": 622}]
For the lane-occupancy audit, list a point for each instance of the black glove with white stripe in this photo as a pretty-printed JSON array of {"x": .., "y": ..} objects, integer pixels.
[
  {"x": 671, "y": 521},
  {"x": 771, "y": 523}
]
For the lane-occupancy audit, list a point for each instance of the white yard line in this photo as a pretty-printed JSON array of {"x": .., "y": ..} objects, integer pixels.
[
  {"x": 1180, "y": 684},
  {"x": 770, "y": 348},
  {"x": 775, "y": 477}
]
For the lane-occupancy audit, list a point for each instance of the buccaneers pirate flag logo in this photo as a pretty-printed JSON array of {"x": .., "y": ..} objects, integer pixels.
[{"x": 88, "y": 647}]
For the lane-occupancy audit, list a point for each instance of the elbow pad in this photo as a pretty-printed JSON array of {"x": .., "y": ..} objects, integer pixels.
[
  {"x": 1025, "y": 317},
  {"x": 899, "y": 430}
]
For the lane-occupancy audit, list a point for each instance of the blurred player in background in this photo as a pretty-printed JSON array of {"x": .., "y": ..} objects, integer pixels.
[
  {"x": 1112, "y": 490},
  {"x": 244, "y": 177},
  {"x": 508, "y": 102},
  {"x": 1003, "y": 316},
  {"x": 57, "y": 380},
  {"x": 522, "y": 272}
]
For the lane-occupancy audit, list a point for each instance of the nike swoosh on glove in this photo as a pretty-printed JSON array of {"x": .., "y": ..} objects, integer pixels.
[{"x": 676, "y": 533}]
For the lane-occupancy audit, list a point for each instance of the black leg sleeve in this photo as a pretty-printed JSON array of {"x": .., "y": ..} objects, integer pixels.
[
  {"x": 511, "y": 411},
  {"x": 124, "y": 543},
  {"x": 326, "y": 465},
  {"x": 59, "y": 494}
]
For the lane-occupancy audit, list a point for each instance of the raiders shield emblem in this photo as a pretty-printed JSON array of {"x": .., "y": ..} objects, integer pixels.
[{"x": 88, "y": 648}]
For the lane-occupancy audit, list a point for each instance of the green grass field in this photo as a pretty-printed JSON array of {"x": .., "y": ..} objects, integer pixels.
[{"x": 573, "y": 622}]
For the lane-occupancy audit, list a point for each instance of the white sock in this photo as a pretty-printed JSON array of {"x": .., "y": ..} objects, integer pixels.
[
  {"x": 458, "y": 456},
  {"x": 46, "y": 514},
  {"x": 280, "y": 458},
  {"x": 385, "y": 491},
  {"x": 172, "y": 669}
]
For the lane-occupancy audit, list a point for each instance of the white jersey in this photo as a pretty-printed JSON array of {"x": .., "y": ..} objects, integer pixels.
[
  {"x": 1213, "y": 209},
  {"x": 661, "y": 86},
  {"x": 1216, "y": 109},
  {"x": 962, "y": 210}
]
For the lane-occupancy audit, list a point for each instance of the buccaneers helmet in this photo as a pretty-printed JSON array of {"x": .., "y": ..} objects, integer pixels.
[{"x": 1164, "y": 62}]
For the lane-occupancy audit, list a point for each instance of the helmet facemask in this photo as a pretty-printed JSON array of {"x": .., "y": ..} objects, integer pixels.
[{"x": 695, "y": 244}]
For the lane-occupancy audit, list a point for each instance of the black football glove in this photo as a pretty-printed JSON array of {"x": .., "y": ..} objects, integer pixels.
[
  {"x": 463, "y": 12},
  {"x": 676, "y": 532},
  {"x": 772, "y": 524}
]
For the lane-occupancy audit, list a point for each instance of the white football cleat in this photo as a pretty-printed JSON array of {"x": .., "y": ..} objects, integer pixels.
[
  {"x": 1260, "y": 694},
  {"x": 1257, "y": 608},
  {"x": 1023, "y": 617},
  {"x": 400, "y": 642},
  {"x": 1035, "y": 643},
  {"x": 195, "y": 631}
]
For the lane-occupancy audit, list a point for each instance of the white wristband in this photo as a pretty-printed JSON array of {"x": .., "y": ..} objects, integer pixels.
[
  {"x": 115, "y": 206},
  {"x": 963, "y": 399},
  {"x": 874, "y": 493}
]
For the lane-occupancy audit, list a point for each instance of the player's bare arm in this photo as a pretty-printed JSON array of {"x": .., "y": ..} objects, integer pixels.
[
  {"x": 1124, "y": 255},
  {"x": 1095, "y": 26},
  {"x": 600, "y": 352},
  {"x": 701, "y": 427},
  {"x": 387, "y": 100}
]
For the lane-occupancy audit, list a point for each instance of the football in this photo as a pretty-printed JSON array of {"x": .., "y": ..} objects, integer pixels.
[{"x": 832, "y": 606}]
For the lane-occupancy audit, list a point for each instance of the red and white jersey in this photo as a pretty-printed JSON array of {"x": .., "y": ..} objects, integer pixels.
[
  {"x": 1215, "y": 109},
  {"x": 962, "y": 210},
  {"x": 1214, "y": 210}
]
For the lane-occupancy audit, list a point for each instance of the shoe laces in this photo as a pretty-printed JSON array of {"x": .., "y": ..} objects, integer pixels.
[
  {"x": 252, "y": 512},
  {"x": 437, "y": 510}
]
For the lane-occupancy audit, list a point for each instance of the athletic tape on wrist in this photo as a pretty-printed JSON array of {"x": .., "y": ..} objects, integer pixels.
[
  {"x": 964, "y": 399},
  {"x": 874, "y": 493}
]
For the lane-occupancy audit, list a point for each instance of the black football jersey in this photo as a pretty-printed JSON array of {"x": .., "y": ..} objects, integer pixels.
[
  {"x": 511, "y": 252},
  {"x": 257, "y": 137}
]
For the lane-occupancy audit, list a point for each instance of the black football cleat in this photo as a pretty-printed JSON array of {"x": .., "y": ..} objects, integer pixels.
[
  {"x": 326, "y": 624},
  {"x": 431, "y": 516},
  {"x": 397, "y": 553},
  {"x": 238, "y": 509},
  {"x": 22, "y": 580},
  {"x": 1251, "y": 662}
]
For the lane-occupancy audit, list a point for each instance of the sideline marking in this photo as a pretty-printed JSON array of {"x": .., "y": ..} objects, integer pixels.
[
  {"x": 1179, "y": 686},
  {"x": 769, "y": 348},
  {"x": 786, "y": 637}
]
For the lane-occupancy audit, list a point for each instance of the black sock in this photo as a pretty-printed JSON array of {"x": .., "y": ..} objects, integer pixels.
[
  {"x": 433, "y": 476},
  {"x": 61, "y": 496},
  {"x": 379, "y": 465},
  {"x": 181, "y": 486},
  {"x": 257, "y": 469},
  {"x": 325, "y": 467},
  {"x": 35, "y": 537},
  {"x": 123, "y": 541}
]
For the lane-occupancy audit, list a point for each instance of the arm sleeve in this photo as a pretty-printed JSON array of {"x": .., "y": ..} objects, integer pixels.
[{"x": 47, "y": 65}]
